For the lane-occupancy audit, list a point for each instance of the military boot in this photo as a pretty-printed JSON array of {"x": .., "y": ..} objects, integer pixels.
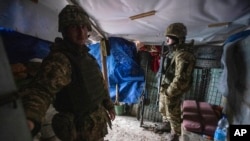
[{"x": 163, "y": 127}]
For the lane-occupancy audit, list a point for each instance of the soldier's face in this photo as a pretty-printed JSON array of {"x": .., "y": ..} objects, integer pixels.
[
  {"x": 169, "y": 41},
  {"x": 77, "y": 34}
]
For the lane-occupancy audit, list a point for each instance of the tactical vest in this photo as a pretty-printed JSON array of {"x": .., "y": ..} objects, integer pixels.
[
  {"x": 86, "y": 90},
  {"x": 169, "y": 69},
  {"x": 169, "y": 73}
]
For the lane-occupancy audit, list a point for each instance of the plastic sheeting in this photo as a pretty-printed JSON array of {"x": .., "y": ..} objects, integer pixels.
[
  {"x": 235, "y": 78},
  {"x": 123, "y": 66},
  {"x": 40, "y": 19},
  {"x": 231, "y": 60},
  {"x": 21, "y": 48},
  {"x": 123, "y": 69}
]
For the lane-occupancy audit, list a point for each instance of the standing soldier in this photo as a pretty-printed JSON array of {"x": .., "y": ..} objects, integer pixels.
[
  {"x": 176, "y": 79},
  {"x": 70, "y": 78}
]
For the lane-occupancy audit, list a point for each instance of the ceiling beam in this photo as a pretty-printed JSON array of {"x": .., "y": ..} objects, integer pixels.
[{"x": 142, "y": 15}]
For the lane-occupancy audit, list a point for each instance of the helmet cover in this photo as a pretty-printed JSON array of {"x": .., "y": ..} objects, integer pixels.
[
  {"x": 178, "y": 30},
  {"x": 73, "y": 15}
]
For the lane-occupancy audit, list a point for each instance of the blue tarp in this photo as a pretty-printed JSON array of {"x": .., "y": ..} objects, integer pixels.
[
  {"x": 21, "y": 48},
  {"x": 236, "y": 36},
  {"x": 123, "y": 69},
  {"x": 122, "y": 63}
]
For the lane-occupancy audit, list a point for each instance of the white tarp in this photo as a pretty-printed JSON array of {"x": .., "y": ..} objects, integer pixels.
[{"x": 112, "y": 16}]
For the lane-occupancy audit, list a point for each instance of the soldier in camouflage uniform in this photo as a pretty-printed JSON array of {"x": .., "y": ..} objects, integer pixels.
[
  {"x": 70, "y": 78},
  {"x": 176, "y": 78}
]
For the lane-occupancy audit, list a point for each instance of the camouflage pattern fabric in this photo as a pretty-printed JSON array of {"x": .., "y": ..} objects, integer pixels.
[
  {"x": 94, "y": 126},
  {"x": 91, "y": 127},
  {"x": 86, "y": 81},
  {"x": 73, "y": 15},
  {"x": 178, "y": 30},
  {"x": 64, "y": 126},
  {"x": 162, "y": 107},
  {"x": 175, "y": 82},
  {"x": 54, "y": 75}
]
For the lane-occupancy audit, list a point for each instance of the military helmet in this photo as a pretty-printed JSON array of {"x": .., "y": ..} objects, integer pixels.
[
  {"x": 178, "y": 30},
  {"x": 73, "y": 15}
]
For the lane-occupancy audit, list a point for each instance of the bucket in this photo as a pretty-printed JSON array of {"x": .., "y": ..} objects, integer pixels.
[{"x": 120, "y": 109}]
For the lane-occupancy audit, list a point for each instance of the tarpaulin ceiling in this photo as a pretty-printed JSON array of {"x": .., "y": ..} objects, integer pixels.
[{"x": 206, "y": 20}]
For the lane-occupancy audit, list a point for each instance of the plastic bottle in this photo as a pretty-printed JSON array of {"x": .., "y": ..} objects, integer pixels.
[{"x": 221, "y": 130}]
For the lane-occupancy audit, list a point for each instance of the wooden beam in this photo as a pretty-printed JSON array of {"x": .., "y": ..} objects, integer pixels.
[{"x": 142, "y": 15}]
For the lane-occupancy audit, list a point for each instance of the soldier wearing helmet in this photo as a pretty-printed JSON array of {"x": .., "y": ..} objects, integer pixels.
[
  {"x": 70, "y": 79},
  {"x": 176, "y": 80}
]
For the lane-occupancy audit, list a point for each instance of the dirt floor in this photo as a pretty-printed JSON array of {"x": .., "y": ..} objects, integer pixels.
[{"x": 127, "y": 128}]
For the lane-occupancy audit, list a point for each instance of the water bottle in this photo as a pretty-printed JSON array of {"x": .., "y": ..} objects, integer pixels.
[{"x": 221, "y": 130}]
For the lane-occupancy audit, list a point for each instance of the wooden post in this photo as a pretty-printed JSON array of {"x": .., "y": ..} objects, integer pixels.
[{"x": 104, "y": 60}]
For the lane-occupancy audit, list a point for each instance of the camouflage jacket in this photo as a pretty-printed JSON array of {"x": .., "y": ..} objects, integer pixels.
[
  {"x": 178, "y": 74},
  {"x": 54, "y": 75}
]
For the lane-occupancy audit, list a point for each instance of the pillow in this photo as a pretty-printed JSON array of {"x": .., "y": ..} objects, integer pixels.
[
  {"x": 193, "y": 124},
  {"x": 209, "y": 123},
  {"x": 206, "y": 108},
  {"x": 189, "y": 106}
]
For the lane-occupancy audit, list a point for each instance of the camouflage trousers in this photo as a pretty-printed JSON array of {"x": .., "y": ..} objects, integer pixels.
[
  {"x": 92, "y": 127},
  {"x": 46, "y": 132},
  {"x": 170, "y": 109}
]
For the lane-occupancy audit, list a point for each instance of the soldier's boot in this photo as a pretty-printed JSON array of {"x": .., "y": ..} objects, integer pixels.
[{"x": 163, "y": 127}]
